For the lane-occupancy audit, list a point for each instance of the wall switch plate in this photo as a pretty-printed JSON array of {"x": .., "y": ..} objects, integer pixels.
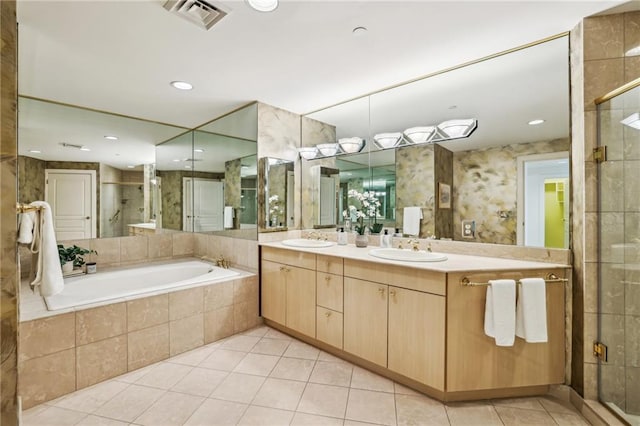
[{"x": 468, "y": 229}]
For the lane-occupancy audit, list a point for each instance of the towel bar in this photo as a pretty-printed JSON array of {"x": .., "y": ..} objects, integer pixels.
[
  {"x": 550, "y": 278},
  {"x": 21, "y": 208}
]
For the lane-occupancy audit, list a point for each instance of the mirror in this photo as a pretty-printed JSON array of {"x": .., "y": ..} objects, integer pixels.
[
  {"x": 471, "y": 183},
  {"x": 69, "y": 143},
  {"x": 276, "y": 194}
]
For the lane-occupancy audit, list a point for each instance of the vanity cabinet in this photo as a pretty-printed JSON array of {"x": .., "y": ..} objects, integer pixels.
[{"x": 330, "y": 300}]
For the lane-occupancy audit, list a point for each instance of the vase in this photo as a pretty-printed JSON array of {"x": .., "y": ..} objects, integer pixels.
[
  {"x": 362, "y": 240},
  {"x": 67, "y": 267}
]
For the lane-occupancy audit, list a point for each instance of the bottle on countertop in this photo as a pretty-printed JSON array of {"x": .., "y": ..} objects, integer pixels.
[
  {"x": 385, "y": 239},
  {"x": 342, "y": 237}
]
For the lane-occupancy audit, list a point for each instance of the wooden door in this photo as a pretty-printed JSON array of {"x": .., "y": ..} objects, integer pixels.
[
  {"x": 365, "y": 320},
  {"x": 274, "y": 291},
  {"x": 417, "y": 335},
  {"x": 301, "y": 300},
  {"x": 71, "y": 195}
]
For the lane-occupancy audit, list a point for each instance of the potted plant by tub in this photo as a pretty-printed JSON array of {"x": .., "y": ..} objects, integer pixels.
[{"x": 72, "y": 256}]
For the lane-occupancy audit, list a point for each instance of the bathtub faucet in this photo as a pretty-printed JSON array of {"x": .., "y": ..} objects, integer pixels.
[{"x": 221, "y": 262}]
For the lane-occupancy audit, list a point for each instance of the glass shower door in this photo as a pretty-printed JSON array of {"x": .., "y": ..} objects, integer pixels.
[{"x": 619, "y": 254}]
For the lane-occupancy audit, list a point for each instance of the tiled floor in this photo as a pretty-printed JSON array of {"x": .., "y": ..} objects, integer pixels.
[{"x": 263, "y": 377}]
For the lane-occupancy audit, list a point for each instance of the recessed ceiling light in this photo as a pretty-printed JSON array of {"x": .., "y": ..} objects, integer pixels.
[
  {"x": 111, "y": 138},
  {"x": 536, "y": 122},
  {"x": 263, "y": 5},
  {"x": 34, "y": 151},
  {"x": 130, "y": 167},
  {"x": 182, "y": 85},
  {"x": 177, "y": 160},
  {"x": 359, "y": 31},
  {"x": 84, "y": 148},
  {"x": 198, "y": 150}
]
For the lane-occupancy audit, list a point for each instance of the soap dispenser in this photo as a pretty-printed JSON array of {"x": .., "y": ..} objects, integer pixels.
[
  {"x": 342, "y": 237},
  {"x": 385, "y": 239}
]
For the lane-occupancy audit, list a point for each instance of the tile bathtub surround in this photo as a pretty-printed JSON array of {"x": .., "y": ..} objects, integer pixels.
[
  {"x": 233, "y": 381},
  {"x": 74, "y": 350}
]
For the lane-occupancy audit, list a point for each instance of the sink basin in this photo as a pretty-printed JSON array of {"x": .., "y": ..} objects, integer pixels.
[
  {"x": 407, "y": 255},
  {"x": 302, "y": 242}
]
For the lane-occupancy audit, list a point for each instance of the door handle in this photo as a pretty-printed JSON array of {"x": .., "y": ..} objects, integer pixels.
[{"x": 88, "y": 217}]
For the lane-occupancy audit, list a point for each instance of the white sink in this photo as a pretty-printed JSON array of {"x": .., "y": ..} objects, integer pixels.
[
  {"x": 303, "y": 242},
  {"x": 407, "y": 255}
]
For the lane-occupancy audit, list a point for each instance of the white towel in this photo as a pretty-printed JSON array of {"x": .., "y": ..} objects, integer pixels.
[
  {"x": 411, "y": 220},
  {"x": 500, "y": 312},
  {"x": 48, "y": 270},
  {"x": 531, "y": 313},
  {"x": 228, "y": 217},
  {"x": 25, "y": 228}
]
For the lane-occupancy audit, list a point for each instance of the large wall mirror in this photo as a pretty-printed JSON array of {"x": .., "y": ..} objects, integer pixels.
[{"x": 507, "y": 183}]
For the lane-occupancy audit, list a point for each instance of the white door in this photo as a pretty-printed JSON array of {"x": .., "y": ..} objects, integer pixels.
[
  {"x": 203, "y": 205},
  {"x": 327, "y": 200},
  {"x": 71, "y": 195}
]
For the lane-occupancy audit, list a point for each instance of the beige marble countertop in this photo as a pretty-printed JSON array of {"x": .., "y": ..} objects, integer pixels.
[{"x": 454, "y": 262}]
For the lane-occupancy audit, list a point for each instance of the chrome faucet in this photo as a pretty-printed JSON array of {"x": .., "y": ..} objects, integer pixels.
[
  {"x": 415, "y": 244},
  {"x": 315, "y": 235}
]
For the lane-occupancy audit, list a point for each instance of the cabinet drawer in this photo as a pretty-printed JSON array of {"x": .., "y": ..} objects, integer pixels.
[
  {"x": 329, "y": 327},
  {"x": 290, "y": 257},
  {"x": 399, "y": 276},
  {"x": 330, "y": 264},
  {"x": 329, "y": 291}
]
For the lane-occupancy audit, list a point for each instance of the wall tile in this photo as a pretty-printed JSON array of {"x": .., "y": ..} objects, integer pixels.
[
  {"x": 590, "y": 380},
  {"x": 632, "y": 382},
  {"x": 612, "y": 292},
  {"x": 612, "y": 384},
  {"x": 147, "y": 312},
  {"x": 100, "y": 361},
  {"x": 108, "y": 250},
  {"x": 632, "y": 340},
  {"x": 240, "y": 317},
  {"x": 600, "y": 78},
  {"x": 590, "y": 334},
  {"x": 245, "y": 289},
  {"x": 610, "y": 126},
  {"x": 200, "y": 244},
  {"x": 590, "y": 231},
  {"x": 631, "y": 31},
  {"x": 47, "y": 335},
  {"x": 100, "y": 323},
  {"x": 612, "y": 334},
  {"x": 185, "y": 303},
  {"x": 147, "y": 346},
  {"x": 218, "y": 295},
  {"x": 605, "y": 37},
  {"x": 253, "y": 256},
  {"x": 133, "y": 249},
  {"x": 631, "y": 68},
  {"x": 218, "y": 324},
  {"x": 185, "y": 334},
  {"x": 612, "y": 230},
  {"x": 182, "y": 244},
  {"x": 45, "y": 378},
  {"x": 160, "y": 246},
  {"x": 591, "y": 287},
  {"x": 591, "y": 187},
  {"x": 631, "y": 144},
  {"x": 611, "y": 193},
  {"x": 632, "y": 292}
]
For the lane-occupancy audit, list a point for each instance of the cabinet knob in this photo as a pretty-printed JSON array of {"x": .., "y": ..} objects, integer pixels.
[
  {"x": 381, "y": 291},
  {"x": 392, "y": 292},
  {"x": 284, "y": 269},
  {"x": 327, "y": 314},
  {"x": 327, "y": 278}
]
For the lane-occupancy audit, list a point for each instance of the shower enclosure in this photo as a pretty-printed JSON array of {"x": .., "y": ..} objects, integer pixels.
[{"x": 619, "y": 254}]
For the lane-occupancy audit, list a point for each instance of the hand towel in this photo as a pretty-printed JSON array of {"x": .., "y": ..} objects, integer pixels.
[
  {"x": 48, "y": 270},
  {"x": 531, "y": 311},
  {"x": 25, "y": 228},
  {"x": 411, "y": 220},
  {"x": 500, "y": 312},
  {"x": 228, "y": 217}
]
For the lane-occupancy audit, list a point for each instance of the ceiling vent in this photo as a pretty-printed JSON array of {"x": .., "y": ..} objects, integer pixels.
[{"x": 199, "y": 12}]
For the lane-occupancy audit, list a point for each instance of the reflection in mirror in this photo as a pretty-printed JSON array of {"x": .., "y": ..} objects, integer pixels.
[
  {"x": 71, "y": 144},
  {"x": 471, "y": 183},
  {"x": 275, "y": 206},
  {"x": 325, "y": 182}
]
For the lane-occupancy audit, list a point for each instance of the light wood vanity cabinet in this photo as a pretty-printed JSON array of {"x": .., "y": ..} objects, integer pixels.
[{"x": 330, "y": 300}]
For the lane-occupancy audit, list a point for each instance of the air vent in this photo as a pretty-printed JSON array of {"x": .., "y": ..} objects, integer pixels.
[{"x": 199, "y": 12}]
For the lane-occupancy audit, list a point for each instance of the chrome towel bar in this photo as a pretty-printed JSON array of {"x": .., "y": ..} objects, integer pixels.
[{"x": 550, "y": 278}]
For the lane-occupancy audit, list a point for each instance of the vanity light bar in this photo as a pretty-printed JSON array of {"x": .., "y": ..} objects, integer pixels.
[{"x": 323, "y": 150}]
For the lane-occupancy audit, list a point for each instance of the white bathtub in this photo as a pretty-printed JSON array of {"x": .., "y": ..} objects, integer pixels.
[{"x": 104, "y": 286}]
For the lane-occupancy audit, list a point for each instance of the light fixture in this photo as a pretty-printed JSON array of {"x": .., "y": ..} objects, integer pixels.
[
  {"x": 181, "y": 85},
  {"x": 84, "y": 148},
  {"x": 422, "y": 134},
  {"x": 263, "y": 5},
  {"x": 308, "y": 152},
  {"x": 453, "y": 129},
  {"x": 359, "y": 31},
  {"x": 198, "y": 150},
  {"x": 35, "y": 151},
  {"x": 351, "y": 145},
  {"x": 327, "y": 149},
  {"x": 111, "y": 137},
  {"x": 387, "y": 140},
  {"x": 131, "y": 167},
  {"x": 176, "y": 160},
  {"x": 187, "y": 167},
  {"x": 632, "y": 121},
  {"x": 536, "y": 122}
]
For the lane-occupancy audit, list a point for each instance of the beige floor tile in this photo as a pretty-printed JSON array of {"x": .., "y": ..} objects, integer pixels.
[
  {"x": 259, "y": 331},
  {"x": 200, "y": 381},
  {"x": 472, "y": 413},
  {"x": 135, "y": 375},
  {"x": 275, "y": 334},
  {"x": 526, "y": 403},
  {"x": 566, "y": 419},
  {"x": 240, "y": 342},
  {"x": 324, "y": 400},
  {"x": 263, "y": 416},
  {"x": 223, "y": 360},
  {"x": 302, "y": 419},
  {"x": 293, "y": 369},
  {"x": 370, "y": 406},
  {"x": 364, "y": 379},
  {"x": 301, "y": 350},
  {"x": 51, "y": 416},
  {"x": 518, "y": 416},
  {"x": 164, "y": 376},
  {"x": 332, "y": 373},
  {"x": 554, "y": 405},
  {"x": 238, "y": 387},
  {"x": 92, "y": 420},
  {"x": 403, "y": 390},
  {"x": 355, "y": 423},
  {"x": 278, "y": 393},
  {"x": 269, "y": 346},
  {"x": 420, "y": 410},
  {"x": 172, "y": 408},
  {"x": 90, "y": 399},
  {"x": 258, "y": 364},
  {"x": 325, "y": 356},
  {"x": 214, "y": 412},
  {"x": 130, "y": 403},
  {"x": 193, "y": 357}
]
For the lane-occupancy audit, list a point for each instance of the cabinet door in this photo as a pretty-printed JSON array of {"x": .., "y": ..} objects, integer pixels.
[
  {"x": 416, "y": 335},
  {"x": 365, "y": 320},
  {"x": 329, "y": 289},
  {"x": 301, "y": 300},
  {"x": 273, "y": 291},
  {"x": 329, "y": 327}
]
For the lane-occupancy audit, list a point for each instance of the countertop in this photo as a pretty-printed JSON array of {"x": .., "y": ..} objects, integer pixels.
[{"x": 454, "y": 262}]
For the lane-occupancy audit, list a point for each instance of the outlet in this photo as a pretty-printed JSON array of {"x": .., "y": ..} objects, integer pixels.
[{"x": 468, "y": 229}]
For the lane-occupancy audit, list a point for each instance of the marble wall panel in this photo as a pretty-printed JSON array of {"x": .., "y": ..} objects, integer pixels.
[
  {"x": 46, "y": 336},
  {"x": 632, "y": 383},
  {"x": 30, "y": 179},
  {"x": 415, "y": 184},
  {"x": 232, "y": 183},
  {"x": 443, "y": 166}
]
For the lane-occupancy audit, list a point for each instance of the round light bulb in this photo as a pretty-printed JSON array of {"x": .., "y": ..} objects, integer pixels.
[
  {"x": 263, "y": 5},
  {"x": 182, "y": 85}
]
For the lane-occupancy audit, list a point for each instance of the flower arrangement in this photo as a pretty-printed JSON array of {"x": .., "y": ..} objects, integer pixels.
[
  {"x": 275, "y": 208},
  {"x": 369, "y": 205}
]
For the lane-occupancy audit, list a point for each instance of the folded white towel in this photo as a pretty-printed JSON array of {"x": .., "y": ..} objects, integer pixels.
[
  {"x": 48, "y": 270},
  {"x": 531, "y": 313},
  {"x": 500, "y": 312},
  {"x": 25, "y": 227},
  {"x": 228, "y": 217},
  {"x": 411, "y": 220}
]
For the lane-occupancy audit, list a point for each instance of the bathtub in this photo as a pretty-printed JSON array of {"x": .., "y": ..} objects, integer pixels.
[{"x": 116, "y": 284}]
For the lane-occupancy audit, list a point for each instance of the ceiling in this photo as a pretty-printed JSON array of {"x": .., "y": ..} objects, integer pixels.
[{"x": 120, "y": 56}]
